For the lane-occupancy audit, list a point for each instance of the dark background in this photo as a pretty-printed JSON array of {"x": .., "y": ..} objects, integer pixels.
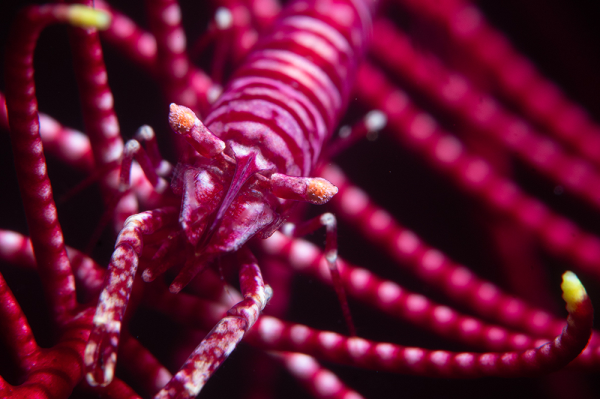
[{"x": 559, "y": 37}]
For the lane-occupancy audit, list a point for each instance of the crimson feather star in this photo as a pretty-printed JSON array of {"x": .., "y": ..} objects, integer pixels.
[{"x": 460, "y": 178}]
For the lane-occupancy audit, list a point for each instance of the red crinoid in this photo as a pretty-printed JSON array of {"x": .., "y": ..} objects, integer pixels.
[{"x": 491, "y": 169}]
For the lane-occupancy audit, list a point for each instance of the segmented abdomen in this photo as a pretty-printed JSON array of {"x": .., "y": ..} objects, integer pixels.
[{"x": 289, "y": 94}]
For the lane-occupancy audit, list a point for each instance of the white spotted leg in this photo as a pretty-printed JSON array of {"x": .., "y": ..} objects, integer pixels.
[
  {"x": 224, "y": 337},
  {"x": 100, "y": 354}
]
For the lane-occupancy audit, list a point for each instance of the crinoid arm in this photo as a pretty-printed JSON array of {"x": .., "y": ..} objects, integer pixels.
[{"x": 382, "y": 356}]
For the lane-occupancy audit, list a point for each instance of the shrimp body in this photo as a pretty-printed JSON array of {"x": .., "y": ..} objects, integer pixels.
[{"x": 275, "y": 115}]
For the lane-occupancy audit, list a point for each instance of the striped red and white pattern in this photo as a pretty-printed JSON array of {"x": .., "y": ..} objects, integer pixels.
[{"x": 290, "y": 93}]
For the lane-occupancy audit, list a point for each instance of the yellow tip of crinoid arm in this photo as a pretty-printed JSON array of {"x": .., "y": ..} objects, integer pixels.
[
  {"x": 86, "y": 17},
  {"x": 573, "y": 291}
]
